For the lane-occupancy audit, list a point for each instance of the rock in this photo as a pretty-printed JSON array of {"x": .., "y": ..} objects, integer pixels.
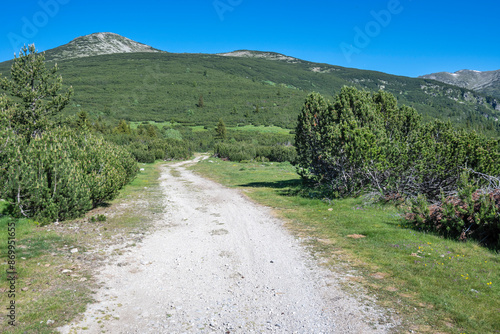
[
  {"x": 50, "y": 322},
  {"x": 74, "y": 250}
]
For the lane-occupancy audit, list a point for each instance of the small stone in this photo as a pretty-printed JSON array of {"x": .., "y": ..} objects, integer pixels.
[
  {"x": 74, "y": 250},
  {"x": 50, "y": 322},
  {"x": 66, "y": 271}
]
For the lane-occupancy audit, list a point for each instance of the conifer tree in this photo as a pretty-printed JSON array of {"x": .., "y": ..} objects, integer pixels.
[
  {"x": 38, "y": 90},
  {"x": 82, "y": 120},
  {"x": 220, "y": 131}
]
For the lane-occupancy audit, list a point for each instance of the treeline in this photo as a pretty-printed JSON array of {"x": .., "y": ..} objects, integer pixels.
[
  {"x": 364, "y": 142},
  {"x": 147, "y": 143},
  {"x": 50, "y": 172},
  {"x": 248, "y": 151}
]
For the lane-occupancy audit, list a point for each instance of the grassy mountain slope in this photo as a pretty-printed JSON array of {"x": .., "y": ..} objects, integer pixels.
[{"x": 244, "y": 87}]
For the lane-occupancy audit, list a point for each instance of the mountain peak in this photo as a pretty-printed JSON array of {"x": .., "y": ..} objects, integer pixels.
[
  {"x": 487, "y": 82},
  {"x": 100, "y": 43}
]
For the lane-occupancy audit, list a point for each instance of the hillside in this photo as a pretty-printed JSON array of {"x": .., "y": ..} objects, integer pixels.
[
  {"x": 487, "y": 82},
  {"x": 97, "y": 44},
  {"x": 242, "y": 87}
]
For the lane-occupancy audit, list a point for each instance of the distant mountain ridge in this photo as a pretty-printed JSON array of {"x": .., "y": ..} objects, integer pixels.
[
  {"x": 260, "y": 54},
  {"x": 97, "y": 44},
  {"x": 487, "y": 82}
]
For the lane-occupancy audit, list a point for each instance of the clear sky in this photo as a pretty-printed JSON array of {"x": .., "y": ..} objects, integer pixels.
[{"x": 404, "y": 37}]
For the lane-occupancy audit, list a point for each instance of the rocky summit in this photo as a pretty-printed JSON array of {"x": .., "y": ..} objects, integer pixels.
[
  {"x": 487, "y": 82},
  {"x": 96, "y": 44}
]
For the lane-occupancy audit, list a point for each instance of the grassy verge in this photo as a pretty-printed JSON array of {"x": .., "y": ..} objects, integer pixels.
[
  {"x": 434, "y": 284},
  {"x": 261, "y": 129},
  {"x": 54, "y": 281}
]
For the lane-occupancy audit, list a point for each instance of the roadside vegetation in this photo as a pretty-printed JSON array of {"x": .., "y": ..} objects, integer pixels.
[
  {"x": 50, "y": 172},
  {"x": 54, "y": 284},
  {"x": 365, "y": 143}
]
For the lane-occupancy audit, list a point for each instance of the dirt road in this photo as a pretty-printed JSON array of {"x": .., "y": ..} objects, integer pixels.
[{"x": 218, "y": 263}]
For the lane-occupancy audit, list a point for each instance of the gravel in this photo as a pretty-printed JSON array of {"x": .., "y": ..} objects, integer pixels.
[{"x": 218, "y": 263}]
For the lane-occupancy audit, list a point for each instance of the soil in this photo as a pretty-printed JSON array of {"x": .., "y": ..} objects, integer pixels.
[{"x": 219, "y": 263}]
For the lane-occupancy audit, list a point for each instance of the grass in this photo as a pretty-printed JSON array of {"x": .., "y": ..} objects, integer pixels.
[
  {"x": 262, "y": 129},
  {"x": 435, "y": 284},
  {"x": 43, "y": 291}
]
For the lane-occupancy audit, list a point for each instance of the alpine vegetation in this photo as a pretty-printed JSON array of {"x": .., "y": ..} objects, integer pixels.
[
  {"x": 363, "y": 142},
  {"x": 50, "y": 172}
]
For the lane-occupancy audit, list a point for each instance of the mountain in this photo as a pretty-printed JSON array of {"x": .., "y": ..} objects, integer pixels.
[
  {"x": 260, "y": 54},
  {"x": 140, "y": 83},
  {"x": 96, "y": 44},
  {"x": 487, "y": 82}
]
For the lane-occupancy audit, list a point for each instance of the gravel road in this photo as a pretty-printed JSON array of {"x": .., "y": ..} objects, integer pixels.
[{"x": 218, "y": 263}]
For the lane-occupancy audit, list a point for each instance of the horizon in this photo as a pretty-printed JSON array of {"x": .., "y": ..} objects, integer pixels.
[{"x": 385, "y": 36}]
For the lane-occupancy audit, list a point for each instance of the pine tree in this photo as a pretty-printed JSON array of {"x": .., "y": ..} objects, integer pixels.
[
  {"x": 123, "y": 127},
  {"x": 38, "y": 90},
  {"x": 82, "y": 120},
  {"x": 220, "y": 131}
]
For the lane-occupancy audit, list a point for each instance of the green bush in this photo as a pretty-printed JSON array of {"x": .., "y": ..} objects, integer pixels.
[
  {"x": 62, "y": 174},
  {"x": 146, "y": 149},
  {"x": 364, "y": 142},
  {"x": 470, "y": 214},
  {"x": 282, "y": 153},
  {"x": 235, "y": 152},
  {"x": 248, "y": 151}
]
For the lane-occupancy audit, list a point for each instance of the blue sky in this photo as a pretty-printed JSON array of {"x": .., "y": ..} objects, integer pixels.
[{"x": 403, "y": 37}]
